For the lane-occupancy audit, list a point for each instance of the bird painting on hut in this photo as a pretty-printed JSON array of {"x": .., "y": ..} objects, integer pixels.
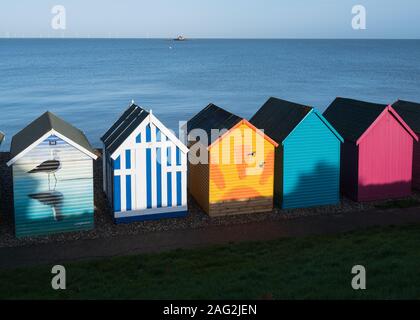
[{"x": 49, "y": 167}]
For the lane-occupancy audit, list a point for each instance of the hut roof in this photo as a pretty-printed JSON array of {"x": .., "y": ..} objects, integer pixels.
[
  {"x": 124, "y": 127},
  {"x": 279, "y": 117},
  {"x": 351, "y": 118},
  {"x": 410, "y": 112},
  {"x": 48, "y": 123},
  {"x": 213, "y": 117}
]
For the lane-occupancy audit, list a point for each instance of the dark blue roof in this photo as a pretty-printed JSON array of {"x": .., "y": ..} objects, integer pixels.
[
  {"x": 124, "y": 127},
  {"x": 213, "y": 117},
  {"x": 410, "y": 112}
]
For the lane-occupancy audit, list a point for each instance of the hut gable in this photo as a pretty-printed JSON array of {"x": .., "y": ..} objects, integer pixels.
[
  {"x": 308, "y": 162},
  {"x": 39, "y": 130},
  {"x": 52, "y": 178},
  {"x": 229, "y": 183},
  {"x": 378, "y": 150},
  {"x": 145, "y": 168}
]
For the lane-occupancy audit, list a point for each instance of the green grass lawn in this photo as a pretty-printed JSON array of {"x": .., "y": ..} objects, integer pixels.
[{"x": 306, "y": 268}]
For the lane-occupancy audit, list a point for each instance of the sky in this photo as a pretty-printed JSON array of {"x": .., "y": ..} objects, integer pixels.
[{"x": 211, "y": 18}]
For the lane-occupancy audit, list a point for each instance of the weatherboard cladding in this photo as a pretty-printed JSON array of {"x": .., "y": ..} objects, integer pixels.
[
  {"x": 42, "y": 125},
  {"x": 307, "y": 168},
  {"x": 379, "y": 166},
  {"x": 53, "y": 201},
  {"x": 228, "y": 188},
  {"x": 145, "y": 169}
]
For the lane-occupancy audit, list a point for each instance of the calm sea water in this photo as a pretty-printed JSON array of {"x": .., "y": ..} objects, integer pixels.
[{"x": 90, "y": 82}]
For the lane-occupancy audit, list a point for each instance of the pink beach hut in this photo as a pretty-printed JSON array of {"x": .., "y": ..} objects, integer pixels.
[{"x": 376, "y": 157}]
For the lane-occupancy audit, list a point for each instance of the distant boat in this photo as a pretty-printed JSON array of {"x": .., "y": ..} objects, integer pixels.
[{"x": 180, "y": 38}]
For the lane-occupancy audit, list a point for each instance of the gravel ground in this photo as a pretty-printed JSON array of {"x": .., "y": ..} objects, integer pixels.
[{"x": 104, "y": 226}]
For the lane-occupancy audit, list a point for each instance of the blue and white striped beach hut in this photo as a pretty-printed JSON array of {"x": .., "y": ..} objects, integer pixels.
[{"x": 145, "y": 168}]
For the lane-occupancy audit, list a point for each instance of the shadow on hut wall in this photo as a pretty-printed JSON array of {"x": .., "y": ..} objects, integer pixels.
[
  {"x": 375, "y": 192},
  {"x": 318, "y": 187}
]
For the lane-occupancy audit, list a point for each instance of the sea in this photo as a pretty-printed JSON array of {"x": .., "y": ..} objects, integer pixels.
[{"x": 90, "y": 82}]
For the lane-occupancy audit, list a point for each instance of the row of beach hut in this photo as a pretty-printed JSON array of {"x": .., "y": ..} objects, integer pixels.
[{"x": 365, "y": 151}]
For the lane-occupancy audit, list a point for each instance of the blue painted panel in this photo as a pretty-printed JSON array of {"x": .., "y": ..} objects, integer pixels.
[
  {"x": 149, "y": 177},
  {"x": 148, "y": 217},
  {"x": 158, "y": 177},
  {"x": 168, "y": 157},
  {"x": 138, "y": 138},
  {"x": 178, "y": 156},
  {"x": 179, "y": 188},
  {"x": 311, "y": 165},
  {"x": 117, "y": 163},
  {"x": 158, "y": 135},
  {"x": 128, "y": 192},
  {"x": 128, "y": 159},
  {"x": 56, "y": 196},
  {"x": 169, "y": 188},
  {"x": 148, "y": 133},
  {"x": 117, "y": 193}
]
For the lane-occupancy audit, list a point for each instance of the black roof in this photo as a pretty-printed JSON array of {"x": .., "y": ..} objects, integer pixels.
[
  {"x": 213, "y": 117},
  {"x": 410, "y": 112},
  {"x": 279, "y": 117},
  {"x": 351, "y": 118},
  {"x": 1, "y": 137},
  {"x": 124, "y": 127},
  {"x": 45, "y": 123}
]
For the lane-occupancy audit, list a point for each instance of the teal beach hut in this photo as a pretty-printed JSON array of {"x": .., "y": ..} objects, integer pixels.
[
  {"x": 307, "y": 161},
  {"x": 52, "y": 164}
]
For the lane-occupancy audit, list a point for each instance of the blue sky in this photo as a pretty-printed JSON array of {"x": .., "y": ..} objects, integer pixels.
[{"x": 211, "y": 18}]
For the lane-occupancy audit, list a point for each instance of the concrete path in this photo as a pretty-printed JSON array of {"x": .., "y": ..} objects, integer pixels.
[{"x": 55, "y": 253}]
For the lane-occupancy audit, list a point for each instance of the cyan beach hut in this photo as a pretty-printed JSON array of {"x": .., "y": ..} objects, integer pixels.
[
  {"x": 410, "y": 112},
  {"x": 307, "y": 161},
  {"x": 52, "y": 165},
  {"x": 377, "y": 153},
  {"x": 145, "y": 168}
]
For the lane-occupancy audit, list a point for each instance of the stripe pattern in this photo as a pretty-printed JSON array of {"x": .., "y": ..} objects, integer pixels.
[{"x": 149, "y": 175}]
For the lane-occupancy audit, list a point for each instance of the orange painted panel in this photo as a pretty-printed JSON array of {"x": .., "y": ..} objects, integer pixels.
[{"x": 241, "y": 166}]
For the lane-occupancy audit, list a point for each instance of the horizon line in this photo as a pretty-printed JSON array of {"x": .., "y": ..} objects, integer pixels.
[{"x": 194, "y": 38}]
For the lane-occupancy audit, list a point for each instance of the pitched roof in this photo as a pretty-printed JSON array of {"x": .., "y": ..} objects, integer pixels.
[
  {"x": 279, "y": 117},
  {"x": 351, "y": 118},
  {"x": 410, "y": 112},
  {"x": 213, "y": 117},
  {"x": 41, "y": 126},
  {"x": 1, "y": 137},
  {"x": 124, "y": 127}
]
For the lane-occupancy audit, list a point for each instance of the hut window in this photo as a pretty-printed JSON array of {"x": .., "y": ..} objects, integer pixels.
[
  {"x": 128, "y": 159},
  {"x": 117, "y": 163},
  {"x": 148, "y": 133},
  {"x": 138, "y": 138}
]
